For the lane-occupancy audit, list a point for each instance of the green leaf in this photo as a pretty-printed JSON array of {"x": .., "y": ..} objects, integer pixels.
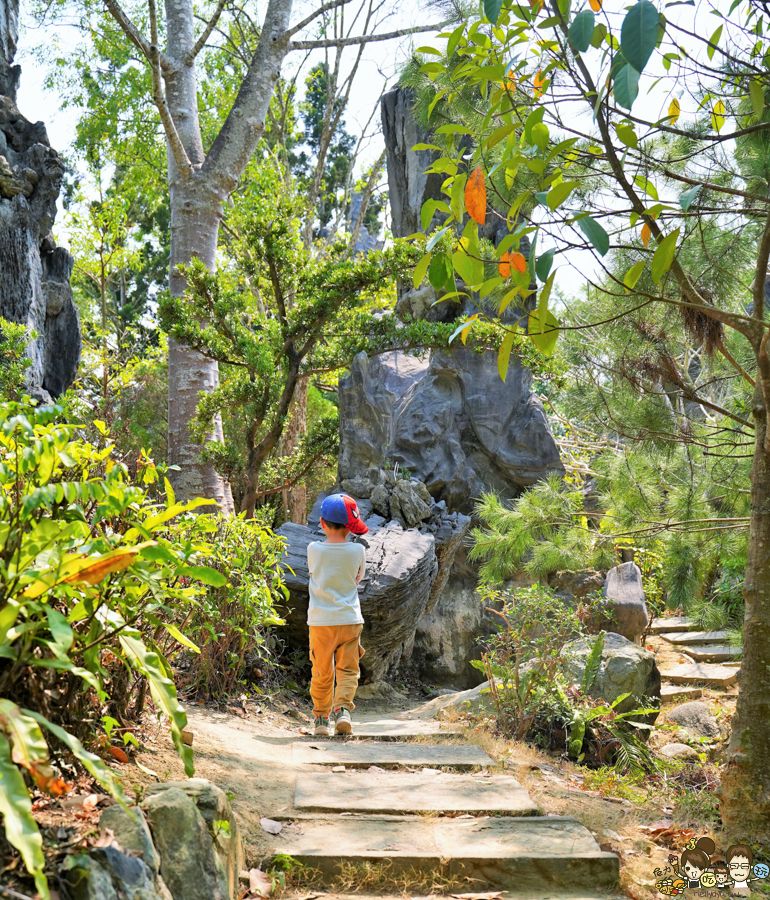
[
  {"x": 440, "y": 271},
  {"x": 535, "y": 117},
  {"x": 543, "y": 335},
  {"x": 626, "y": 85},
  {"x": 686, "y": 198},
  {"x": 178, "y": 636},
  {"x": 470, "y": 270},
  {"x": 647, "y": 186},
  {"x": 634, "y": 274},
  {"x": 436, "y": 238},
  {"x": 163, "y": 693},
  {"x": 714, "y": 42},
  {"x": 21, "y": 830},
  {"x": 559, "y": 193},
  {"x": 627, "y": 135},
  {"x": 757, "y": 94},
  {"x": 544, "y": 263},
  {"x": 639, "y": 34},
  {"x": 542, "y": 306},
  {"x": 581, "y": 31},
  {"x": 492, "y": 10},
  {"x": 542, "y": 197},
  {"x": 90, "y": 761},
  {"x": 600, "y": 32},
  {"x": 462, "y": 327},
  {"x": 540, "y": 135},
  {"x": 504, "y": 353},
  {"x": 420, "y": 269},
  {"x": 61, "y": 632},
  {"x": 595, "y": 234},
  {"x": 664, "y": 256},
  {"x": 203, "y": 573},
  {"x": 593, "y": 663}
]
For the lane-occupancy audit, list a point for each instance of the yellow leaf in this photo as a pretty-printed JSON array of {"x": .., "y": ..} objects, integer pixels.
[
  {"x": 93, "y": 574},
  {"x": 718, "y": 116},
  {"x": 673, "y": 112},
  {"x": 596, "y": 5},
  {"x": 538, "y": 84},
  {"x": 476, "y": 196},
  {"x": 646, "y": 234}
]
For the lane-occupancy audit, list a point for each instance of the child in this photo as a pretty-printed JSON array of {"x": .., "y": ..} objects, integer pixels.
[{"x": 334, "y": 613}]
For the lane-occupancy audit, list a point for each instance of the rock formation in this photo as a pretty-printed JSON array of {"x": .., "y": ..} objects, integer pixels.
[
  {"x": 34, "y": 273},
  {"x": 449, "y": 419}
]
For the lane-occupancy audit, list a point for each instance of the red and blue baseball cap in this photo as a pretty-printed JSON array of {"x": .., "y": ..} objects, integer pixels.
[{"x": 342, "y": 510}]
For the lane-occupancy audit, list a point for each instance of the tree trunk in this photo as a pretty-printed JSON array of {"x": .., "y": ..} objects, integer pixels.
[
  {"x": 297, "y": 496},
  {"x": 745, "y": 791},
  {"x": 195, "y": 216}
]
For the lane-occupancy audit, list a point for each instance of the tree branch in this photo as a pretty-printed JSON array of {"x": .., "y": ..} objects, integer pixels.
[
  {"x": 205, "y": 34},
  {"x": 131, "y": 31},
  {"x": 319, "y": 12},
  {"x": 178, "y": 151},
  {"x": 365, "y": 38}
]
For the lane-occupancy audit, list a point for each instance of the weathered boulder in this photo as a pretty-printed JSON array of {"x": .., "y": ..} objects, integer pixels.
[
  {"x": 104, "y": 873},
  {"x": 34, "y": 288},
  {"x": 678, "y": 751},
  {"x": 213, "y": 805},
  {"x": 576, "y": 584},
  {"x": 625, "y": 611},
  {"x": 132, "y": 833},
  {"x": 189, "y": 864},
  {"x": 695, "y": 718},
  {"x": 449, "y": 419},
  {"x": 407, "y": 506},
  {"x": 625, "y": 668}
]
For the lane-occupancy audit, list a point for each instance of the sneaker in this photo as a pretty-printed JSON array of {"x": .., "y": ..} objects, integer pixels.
[
  {"x": 342, "y": 722},
  {"x": 322, "y": 726}
]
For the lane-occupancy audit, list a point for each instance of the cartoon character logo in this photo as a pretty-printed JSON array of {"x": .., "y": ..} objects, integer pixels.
[{"x": 697, "y": 868}]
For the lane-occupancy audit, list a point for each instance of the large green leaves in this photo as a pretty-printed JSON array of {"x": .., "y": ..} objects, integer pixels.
[
  {"x": 595, "y": 234},
  {"x": 639, "y": 34},
  {"x": 492, "y": 9},
  {"x": 664, "y": 256},
  {"x": 581, "y": 31},
  {"x": 21, "y": 829},
  {"x": 543, "y": 332},
  {"x": 163, "y": 693},
  {"x": 626, "y": 85}
]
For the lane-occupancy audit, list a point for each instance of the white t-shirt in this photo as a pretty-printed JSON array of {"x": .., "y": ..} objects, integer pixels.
[{"x": 332, "y": 587}]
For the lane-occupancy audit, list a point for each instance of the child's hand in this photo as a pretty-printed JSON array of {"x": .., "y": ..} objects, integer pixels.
[{"x": 358, "y": 577}]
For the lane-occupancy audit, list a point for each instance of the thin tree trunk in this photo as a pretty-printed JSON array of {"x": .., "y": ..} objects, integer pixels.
[
  {"x": 745, "y": 791},
  {"x": 296, "y": 497}
]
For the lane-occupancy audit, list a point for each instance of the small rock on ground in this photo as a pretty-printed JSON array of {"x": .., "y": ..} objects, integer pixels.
[
  {"x": 696, "y": 718},
  {"x": 678, "y": 751}
]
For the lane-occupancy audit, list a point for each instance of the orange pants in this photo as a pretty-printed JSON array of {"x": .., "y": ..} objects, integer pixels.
[{"x": 334, "y": 650}]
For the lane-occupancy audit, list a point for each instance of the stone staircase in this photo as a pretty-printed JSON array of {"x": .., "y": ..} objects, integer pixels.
[
  {"x": 464, "y": 823},
  {"x": 704, "y": 649}
]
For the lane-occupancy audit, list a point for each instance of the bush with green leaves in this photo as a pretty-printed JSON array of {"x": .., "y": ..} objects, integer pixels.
[{"x": 93, "y": 579}]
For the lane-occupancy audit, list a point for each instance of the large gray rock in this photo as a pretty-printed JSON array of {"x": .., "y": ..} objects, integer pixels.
[
  {"x": 132, "y": 833},
  {"x": 449, "y": 419},
  {"x": 189, "y": 864},
  {"x": 215, "y": 808},
  {"x": 625, "y": 668},
  {"x": 34, "y": 287},
  {"x": 696, "y": 719},
  {"x": 624, "y": 605},
  {"x": 104, "y": 873},
  {"x": 407, "y": 506}
]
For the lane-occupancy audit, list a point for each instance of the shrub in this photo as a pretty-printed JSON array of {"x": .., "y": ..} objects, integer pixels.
[{"x": 91, "y": 579}]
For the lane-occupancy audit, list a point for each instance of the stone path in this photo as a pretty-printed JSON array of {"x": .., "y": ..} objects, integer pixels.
[
  {"x": 481, "y": 826},
  {"x": 702, "y": 649}
]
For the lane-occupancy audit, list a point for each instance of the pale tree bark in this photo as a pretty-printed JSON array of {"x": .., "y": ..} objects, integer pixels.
[
  {"x": 200, "y": 183},
  {"x": 295, "y": 498}
]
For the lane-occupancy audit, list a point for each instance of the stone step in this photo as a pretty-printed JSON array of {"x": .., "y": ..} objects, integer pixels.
[
  {"x": 713, "y": 653},
  {"x": 673, "y": 623},
  {"x": 694, "y": 673},
  {"x": 535, "y": 855},
  {"x": 679, "y": 692},
  {"x": 399, "y": 792},
  {"x": 362, "y": 754},
  {"x": 694, "y": 637},
  {"x": 395, "y": 730}
]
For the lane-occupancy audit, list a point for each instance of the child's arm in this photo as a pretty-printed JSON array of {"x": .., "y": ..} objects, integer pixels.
[{"x": 362, "y": 567}]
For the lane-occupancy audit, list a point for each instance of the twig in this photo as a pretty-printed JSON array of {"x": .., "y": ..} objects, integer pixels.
[
  {"x": 365, "y": 38},
  {"x": 205, "y": 35}
]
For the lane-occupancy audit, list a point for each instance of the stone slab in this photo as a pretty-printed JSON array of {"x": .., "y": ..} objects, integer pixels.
[
  {"x": 361, "y": 754},
  {"x": 694, "y": 637},
  {"x": 535, "y": 855},
  {"x": 680, "y": 692},
  {"x": 714, "y": 653},
  {"x": 393, "y": 729},
  {"x": 672, "y": 623},
  {"x": 690, "y": 673},
  {"x": 397, "y": 792}
]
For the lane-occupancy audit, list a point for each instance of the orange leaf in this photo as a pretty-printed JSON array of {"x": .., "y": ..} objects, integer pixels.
[
  {"x": 646, "y": 235},
  {"x": 518, "y": 262},
  {"x": 47, "y": 781},
  {"x": 116, "y": 562},
  {"x": 596, "y": 5},
  {"x": 476, "y": 196},
  {"x": 119, "y": 754},
  {"x": 504, "y": 266},
  {"x": 538, "y": 84}
]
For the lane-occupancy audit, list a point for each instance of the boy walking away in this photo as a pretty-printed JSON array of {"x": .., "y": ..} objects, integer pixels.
[{"x": 334, "y": 614}]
